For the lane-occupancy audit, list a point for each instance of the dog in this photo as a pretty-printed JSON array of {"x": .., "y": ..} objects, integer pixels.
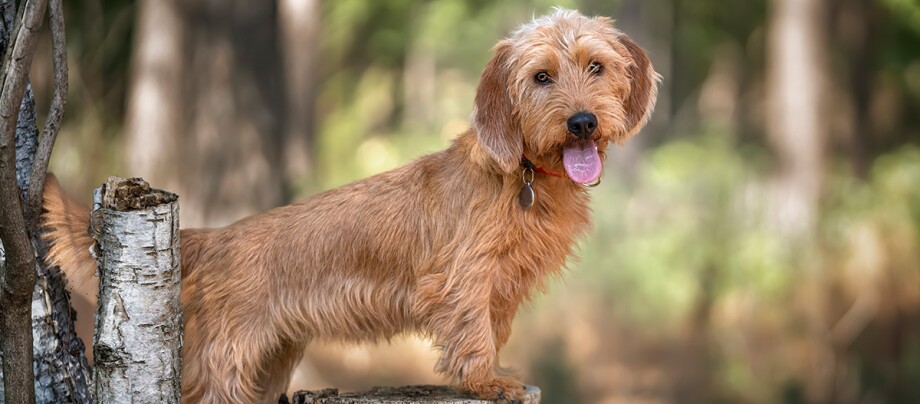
[{"x": 448, "y": 246}]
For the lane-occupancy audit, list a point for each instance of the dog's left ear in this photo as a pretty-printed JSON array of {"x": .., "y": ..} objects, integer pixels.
[
  {"x": 492, "y": 116},
  {"x": 643, "y": 87}
]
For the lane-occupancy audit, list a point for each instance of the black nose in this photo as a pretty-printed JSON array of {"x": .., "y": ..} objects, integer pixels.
[{"x": 582, "y": 124}]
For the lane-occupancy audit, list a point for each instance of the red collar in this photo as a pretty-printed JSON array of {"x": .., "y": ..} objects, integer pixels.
[{"x": 528, "y": 164}]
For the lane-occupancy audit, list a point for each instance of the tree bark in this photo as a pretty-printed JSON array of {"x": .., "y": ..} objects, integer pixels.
[
  {"x": 400, "y": 395},
  {"x": 138, "y": 335},
  {"x": 60, "y": 368},
  {"x": 61, "y": 371},
  {"x": 17, "y": 277}
]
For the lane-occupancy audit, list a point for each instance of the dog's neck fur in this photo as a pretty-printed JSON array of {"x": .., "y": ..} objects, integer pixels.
[{"x": 560, "y": 190}]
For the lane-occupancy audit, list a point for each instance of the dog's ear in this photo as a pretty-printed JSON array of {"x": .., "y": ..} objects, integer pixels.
[
  {"x": 643, "y": 87},
  {"x": 495, "y": 127}
]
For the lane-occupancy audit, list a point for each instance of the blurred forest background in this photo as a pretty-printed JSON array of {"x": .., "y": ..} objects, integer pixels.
[{"x": 759, "y": 242}]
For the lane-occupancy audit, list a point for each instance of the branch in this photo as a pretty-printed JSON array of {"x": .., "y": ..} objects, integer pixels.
[
  {"x": 17, "y": 278},
  {"x": 55, "y": 114},
  {"x": 16, "y": 73}
]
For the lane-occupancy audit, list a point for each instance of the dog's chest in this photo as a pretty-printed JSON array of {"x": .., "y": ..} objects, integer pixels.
[{"x": 545, "y": 239}]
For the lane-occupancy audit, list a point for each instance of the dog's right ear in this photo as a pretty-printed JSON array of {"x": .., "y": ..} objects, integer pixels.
[{"x": 495, "y": 128}]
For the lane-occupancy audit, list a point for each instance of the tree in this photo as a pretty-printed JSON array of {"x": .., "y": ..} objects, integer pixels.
[
  {"x": 796, "y": 70},
  {"x": 138, "y": 335},
  {"x": 153, "y": 118},
  {"x": 17, "y": 278},
  {"x": 796, "y": 128},
  {"x": 298, "y": 22},
  {"x": 23, "y": 164}
]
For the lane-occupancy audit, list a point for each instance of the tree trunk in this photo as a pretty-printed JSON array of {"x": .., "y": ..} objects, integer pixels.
[
  {"x": 400, "y": 395},
  {"x": 17, "y": 276},
  {"x": 222, "y": 102},
  {"x": 60, "y": 368},
  {"x": 154, "y": 114},
  {"x": 299, "y": 30},
  {"x": 138, "y": 335},
  {"x": 796, "y": 69},
  {"x": 61, "y": 371},
  {"x": 232, "y": 157},
  {"x": 859, "y": 23}
]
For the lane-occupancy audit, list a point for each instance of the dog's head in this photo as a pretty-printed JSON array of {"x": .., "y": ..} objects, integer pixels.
[{"x": 559, "y": 90}]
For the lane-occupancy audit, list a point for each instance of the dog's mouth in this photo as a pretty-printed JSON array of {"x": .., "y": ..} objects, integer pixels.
[{"x": 582, "y": 161}]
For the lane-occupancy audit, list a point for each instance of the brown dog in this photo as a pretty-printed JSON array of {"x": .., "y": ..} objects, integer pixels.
[{"x": 446, "y": 246}]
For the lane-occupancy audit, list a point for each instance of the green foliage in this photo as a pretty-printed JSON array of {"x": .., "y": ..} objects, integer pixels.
[
  {"x": 686, "y": 219},
  {"x": 906, "y": 10}
]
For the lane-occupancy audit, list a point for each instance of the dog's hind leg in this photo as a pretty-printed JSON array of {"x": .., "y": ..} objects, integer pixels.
[
  {"x": 236, "y": 363},
  {"x": 281, "y": 368}
]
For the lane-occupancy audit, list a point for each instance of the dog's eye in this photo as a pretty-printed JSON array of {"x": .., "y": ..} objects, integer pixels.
[
  {"x": 542, "y": 78},
  {"x": 595, "y": 68}
]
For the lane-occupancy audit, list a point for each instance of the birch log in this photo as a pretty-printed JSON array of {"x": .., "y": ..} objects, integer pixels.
[
  {"x": 138, "y": 336},
  {"x": 400, "y": 395}
]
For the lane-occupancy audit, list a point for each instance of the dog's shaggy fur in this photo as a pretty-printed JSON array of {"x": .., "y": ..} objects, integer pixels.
[{"x": 440, "y": 246}]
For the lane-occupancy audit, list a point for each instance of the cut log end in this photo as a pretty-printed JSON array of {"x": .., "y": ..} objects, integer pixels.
[
  {"x": 400, "y": 395},
  {"x": 133, "y": 194},
  {"x": 137, "y": 341}
]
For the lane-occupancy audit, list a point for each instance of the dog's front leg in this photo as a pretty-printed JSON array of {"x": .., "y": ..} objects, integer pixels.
[
  {"x": 502, "y": 316},
  {"x": 458, "y": 305}
]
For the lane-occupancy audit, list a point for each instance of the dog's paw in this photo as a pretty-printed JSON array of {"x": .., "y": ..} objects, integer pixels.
[{"x": 499, "y": 388}]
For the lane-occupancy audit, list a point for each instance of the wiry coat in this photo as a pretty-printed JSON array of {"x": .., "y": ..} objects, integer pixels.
[{"x": 439, "y": 246}]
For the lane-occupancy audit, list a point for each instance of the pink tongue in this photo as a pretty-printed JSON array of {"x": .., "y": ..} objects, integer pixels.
[{"x": 581, "y": 161}]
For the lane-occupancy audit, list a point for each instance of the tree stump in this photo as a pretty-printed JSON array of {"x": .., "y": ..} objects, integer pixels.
[
  {"x": 401, "y": 395},
  {"x": 138, "y": 336}
]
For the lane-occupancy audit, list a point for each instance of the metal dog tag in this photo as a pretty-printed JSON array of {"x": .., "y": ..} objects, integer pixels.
[{"x": 526, "y": 196}]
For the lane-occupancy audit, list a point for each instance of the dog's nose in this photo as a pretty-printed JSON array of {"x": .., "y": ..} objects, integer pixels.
[{"x": 582, "y": 124}]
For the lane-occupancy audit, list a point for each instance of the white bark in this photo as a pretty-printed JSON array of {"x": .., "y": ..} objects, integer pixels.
[{"x": 138, "y": 333}]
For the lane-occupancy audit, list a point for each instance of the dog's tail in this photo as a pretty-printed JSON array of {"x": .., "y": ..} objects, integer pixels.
[
  {"x": 66, "y": 225},
  {"x": 65, "y": 222}
]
